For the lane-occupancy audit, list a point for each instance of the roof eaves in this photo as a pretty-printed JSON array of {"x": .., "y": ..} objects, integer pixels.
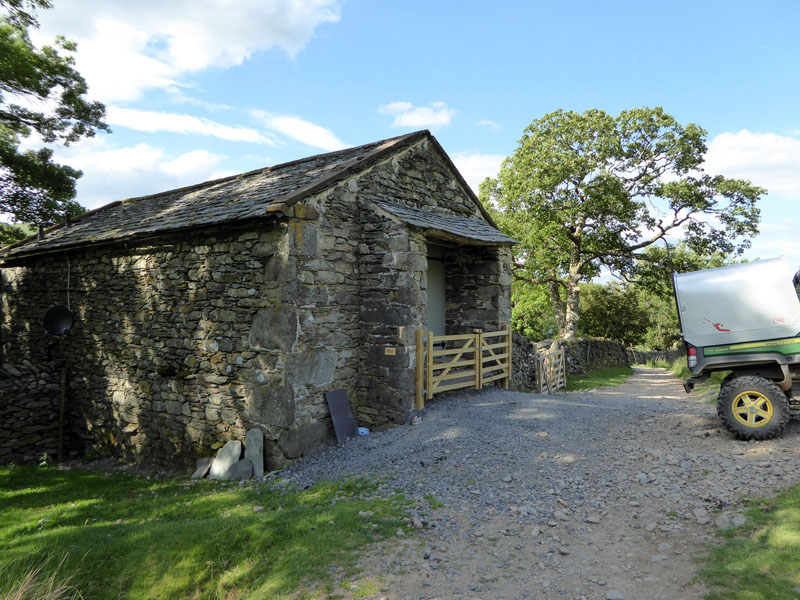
[
  {"x": 139, "y": 236},
  {"x": 452, "y": 226}
]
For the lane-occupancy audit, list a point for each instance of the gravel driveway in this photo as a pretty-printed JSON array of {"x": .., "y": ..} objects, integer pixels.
[{"x": 602, "y": 494}]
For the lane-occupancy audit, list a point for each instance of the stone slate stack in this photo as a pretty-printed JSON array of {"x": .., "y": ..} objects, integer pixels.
[{"x": 229, "y": 464}]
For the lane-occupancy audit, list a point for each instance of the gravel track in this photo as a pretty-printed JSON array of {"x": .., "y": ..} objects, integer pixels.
[{"x": 605, "y": 494}]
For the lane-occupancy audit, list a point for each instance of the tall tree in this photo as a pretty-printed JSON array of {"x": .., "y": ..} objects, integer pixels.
[
  {"x": 586, "y": 191},
  {"x": 43, "y": 97}
]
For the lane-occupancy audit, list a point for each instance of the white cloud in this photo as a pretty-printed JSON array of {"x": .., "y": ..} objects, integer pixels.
[
  {"x": 125, "y": 48},
  {"x": 301, "y": 130},
  {"x": 394, "y": 108},
  {"x": 191, "y": 164},
  {"x": 142, "y": 120},
  {"x": 488, "y": 124},
  {"x": 476, "y": 167},
  {"x": 407, "y": 115},
  {"x": 768, "y": 160},
  {"x": 117, "y": 173}
]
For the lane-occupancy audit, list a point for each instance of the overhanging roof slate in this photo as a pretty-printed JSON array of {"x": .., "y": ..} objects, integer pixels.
[{"x": 460, "y": 227}]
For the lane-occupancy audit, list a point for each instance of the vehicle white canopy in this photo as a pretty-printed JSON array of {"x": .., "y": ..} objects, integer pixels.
[{"x": 738, "y": 303}]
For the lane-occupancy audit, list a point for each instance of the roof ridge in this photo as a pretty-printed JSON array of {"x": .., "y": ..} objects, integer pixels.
[{"x": 283, "y": 165}]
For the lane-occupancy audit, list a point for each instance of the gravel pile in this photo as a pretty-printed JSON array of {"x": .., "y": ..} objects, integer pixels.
[{"x": 596, "y": 495}]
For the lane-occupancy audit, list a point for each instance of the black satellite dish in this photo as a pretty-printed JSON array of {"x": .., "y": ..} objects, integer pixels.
[{"x": 57, "y": 320}]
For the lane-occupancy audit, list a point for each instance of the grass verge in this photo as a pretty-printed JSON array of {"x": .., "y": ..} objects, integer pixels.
[
  {"x": 597, "y": 378},
  {"x": 118, "y": 535},
  {"x": 759, "y": 561}
]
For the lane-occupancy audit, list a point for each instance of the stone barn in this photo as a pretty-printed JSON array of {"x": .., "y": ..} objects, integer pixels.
[{"x": 208, "y": 310}]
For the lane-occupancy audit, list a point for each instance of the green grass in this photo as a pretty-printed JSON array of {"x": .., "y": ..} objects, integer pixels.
[
  {"x": 761, "y": 560},
  {"x": 596, "y": 378},
  {"x": 433, "y": 502},
  {"x": 116, "y": 535}
]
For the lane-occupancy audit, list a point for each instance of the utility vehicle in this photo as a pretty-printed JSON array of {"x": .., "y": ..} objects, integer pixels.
[{"x": 744, "y": 319}]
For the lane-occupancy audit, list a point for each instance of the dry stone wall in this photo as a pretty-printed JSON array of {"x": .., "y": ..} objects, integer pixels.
[
  {"x": 419, "y": 177},
  {"x": 473, "y": 274},
  {"x": 584, "y": 354},
  {"x": 640, "y": 357},
  {"x": 523, "y": 363}
]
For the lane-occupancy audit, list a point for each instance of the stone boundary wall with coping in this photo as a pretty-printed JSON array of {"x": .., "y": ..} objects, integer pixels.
[
  {"x": 640, "y": 357},
  {"x": 584, "y": 354}
]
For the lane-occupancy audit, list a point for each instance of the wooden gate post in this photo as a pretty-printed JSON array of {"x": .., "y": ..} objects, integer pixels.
[
  {"x": 478, "y": 343},
  {"x": 510, "y": 367},
  {"x": 429, "y": 365},
  {"x": 419, "y": 403}
]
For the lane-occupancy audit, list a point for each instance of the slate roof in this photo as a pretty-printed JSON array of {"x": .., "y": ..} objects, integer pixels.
[
  {"x": 256, "y": 194},
  {"x": 460, "y": 227}
]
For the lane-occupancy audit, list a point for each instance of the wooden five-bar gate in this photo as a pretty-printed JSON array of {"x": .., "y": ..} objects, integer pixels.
[
  {"x": 551, "y": 373},
  {"x": 452, "y": 362}
]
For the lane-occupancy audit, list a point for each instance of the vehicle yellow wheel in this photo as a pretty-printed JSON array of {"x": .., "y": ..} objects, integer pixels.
[{"x": 752, "y": 409}]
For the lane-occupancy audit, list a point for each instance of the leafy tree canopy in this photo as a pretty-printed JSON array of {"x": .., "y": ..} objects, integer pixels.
[
  {"x": 586, "y": 191},
  {"x": 613, "y": 311},
  {"x": 531, "y": 313},
  {"x": 43, "y": 97}
]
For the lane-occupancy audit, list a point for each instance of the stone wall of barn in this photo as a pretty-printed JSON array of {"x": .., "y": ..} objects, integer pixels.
[
  {"x": 186, "y": 341},
  {"x": 179, "y": 345},
  {"x": 393, "y": 264},
  {"x": 30, "y": 411},
  {"x": 418, "y": 176},
  {"x": 477, "y": 280}
]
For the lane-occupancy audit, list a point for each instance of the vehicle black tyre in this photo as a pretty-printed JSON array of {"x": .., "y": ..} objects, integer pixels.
[{"x": 753, "y": 408}]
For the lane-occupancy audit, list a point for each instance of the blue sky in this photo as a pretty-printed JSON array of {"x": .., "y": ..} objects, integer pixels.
[{"x": 197, "y": 89}]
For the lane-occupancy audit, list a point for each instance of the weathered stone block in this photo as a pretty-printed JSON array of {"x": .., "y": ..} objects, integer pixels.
[
  {"x": 273, "y": 329},
  {"x": 263, "y": 250},
  {"x": 315, "y": 367},
  {"x": 387, "y": 317},
  {"x": 212, "y": 414},
  {"x": 241, "y": 470},
  {"x": 271, "y": 404},
  {"x": 297, "y": 442}
]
